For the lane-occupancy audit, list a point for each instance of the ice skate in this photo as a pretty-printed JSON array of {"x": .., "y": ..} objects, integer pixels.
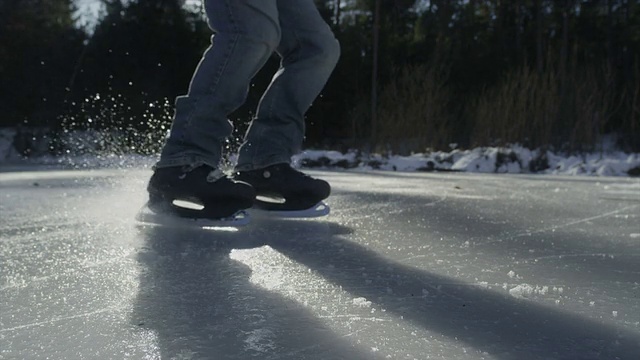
[
  {"x": 286, "y": 192},
  {"x": 202, "y": 196}
]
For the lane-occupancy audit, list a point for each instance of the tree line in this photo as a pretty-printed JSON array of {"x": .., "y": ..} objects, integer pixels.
[{"x": 413, "y": 75}]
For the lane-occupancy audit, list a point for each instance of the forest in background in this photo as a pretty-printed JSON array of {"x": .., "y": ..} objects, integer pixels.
[{"x": 413, "y": 75}]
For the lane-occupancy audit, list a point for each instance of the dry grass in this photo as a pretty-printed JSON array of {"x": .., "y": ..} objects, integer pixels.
[
  {"x": 630, "y": 126},
  {"x": 590, "y": 107},
  {"x": 539, "y": 110},
  {"x": 567, "y": 111},
  {"x": 413, "y": 110},
  {"x": 522, "y": 109}
]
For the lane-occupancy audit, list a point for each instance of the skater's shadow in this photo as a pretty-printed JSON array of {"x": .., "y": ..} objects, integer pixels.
[
  {"x": 194, "y": 301},
  {"x": 503, "y": 326}
]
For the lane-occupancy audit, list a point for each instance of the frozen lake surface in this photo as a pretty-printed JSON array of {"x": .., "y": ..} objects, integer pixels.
[{"x": 407, "y": 266}]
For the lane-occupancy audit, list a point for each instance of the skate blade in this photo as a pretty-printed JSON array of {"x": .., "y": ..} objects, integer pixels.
[
  {"x": 318, "y": 210},
  {"x": 147, "y": 217}
]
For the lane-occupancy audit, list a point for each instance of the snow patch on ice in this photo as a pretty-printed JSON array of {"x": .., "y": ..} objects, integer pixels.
[
  {"x": 260, "y": 340},
  {"x": 525, "y": 290},
  {"x": 362, "y": 302}
]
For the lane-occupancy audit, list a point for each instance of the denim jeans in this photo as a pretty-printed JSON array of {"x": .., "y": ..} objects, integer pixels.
[{"x": 247, "y": 33}]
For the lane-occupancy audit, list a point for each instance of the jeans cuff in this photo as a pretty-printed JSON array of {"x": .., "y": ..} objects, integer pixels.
[{"x": 190, "y": 161}]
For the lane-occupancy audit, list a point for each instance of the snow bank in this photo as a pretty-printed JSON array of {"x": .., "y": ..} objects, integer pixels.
[{"x": 512, "y": 160}]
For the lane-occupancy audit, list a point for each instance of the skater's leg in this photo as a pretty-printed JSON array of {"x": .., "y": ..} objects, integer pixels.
[
  {"x": 309, "y": 53},
  {"x": 247, "y": 32}
]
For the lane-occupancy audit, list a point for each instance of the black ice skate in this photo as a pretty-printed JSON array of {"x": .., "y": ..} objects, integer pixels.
[
  {"x": 202, "y": 194},
  {"x": 284, "y": 191}
]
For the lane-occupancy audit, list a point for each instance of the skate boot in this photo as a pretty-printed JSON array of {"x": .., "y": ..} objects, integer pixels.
[
  {"x": 198, "y": 193},
  {"x": 286, "y": 191}
]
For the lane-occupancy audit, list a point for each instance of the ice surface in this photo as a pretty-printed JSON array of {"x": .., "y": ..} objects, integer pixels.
[{"x": 407, "y": 266}]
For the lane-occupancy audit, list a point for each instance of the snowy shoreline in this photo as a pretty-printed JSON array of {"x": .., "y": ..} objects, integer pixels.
[
  {"x": 507, "y": 160},
  {"x": 500, "y": 160},
  {"x": 479, "y": 160}
]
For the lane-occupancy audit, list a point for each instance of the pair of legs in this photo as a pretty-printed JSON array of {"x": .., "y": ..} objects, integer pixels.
[{"x": 247, "y": 33}]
